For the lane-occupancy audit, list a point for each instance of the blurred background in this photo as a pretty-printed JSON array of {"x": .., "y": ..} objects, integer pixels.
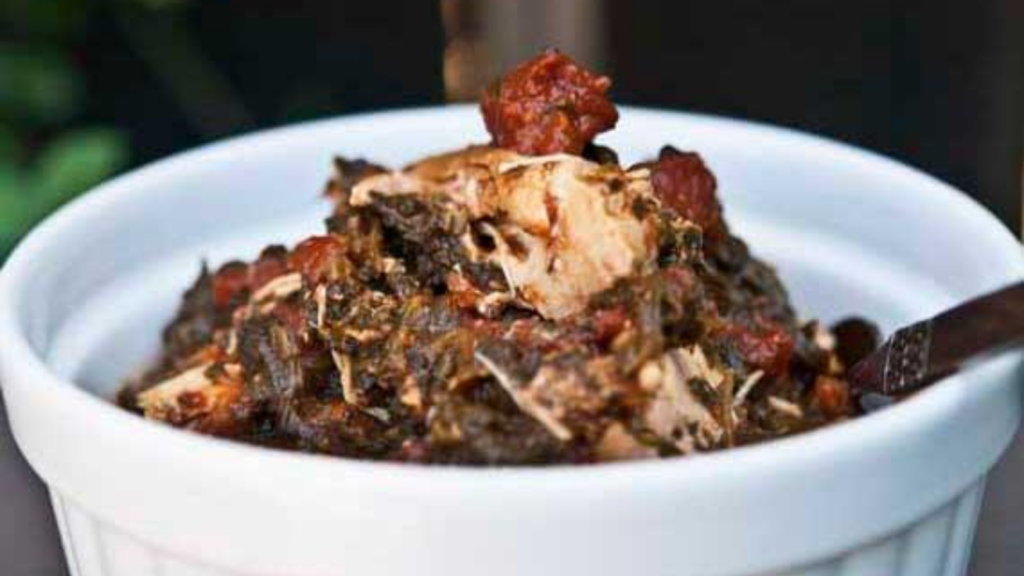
[{"x": 90, "y": 88}]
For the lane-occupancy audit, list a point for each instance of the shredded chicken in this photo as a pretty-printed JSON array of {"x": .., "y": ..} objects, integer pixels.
[
  {"x": 618, "y": 444},
  {"x": 193, "y": 399},
  {"x": 675, "y": 413},
  {"x": 344, "y": 366},
  {"x": 563, "y": 226},
  {"x": 163, "y": 398},
  {"x": 279, "y": 288},
  {"x": 746, "y": 387},
  {"x": 785, "y": 407},
  {"x": 527, "y": 402}
]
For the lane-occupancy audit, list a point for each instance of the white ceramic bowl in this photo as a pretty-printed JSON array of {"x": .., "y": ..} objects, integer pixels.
[{"x": 83, "y": 299}]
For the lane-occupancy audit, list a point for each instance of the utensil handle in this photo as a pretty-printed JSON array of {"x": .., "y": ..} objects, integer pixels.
[
  {"x": 919, "y": 354},
  {"x": 980, "y": 327}
]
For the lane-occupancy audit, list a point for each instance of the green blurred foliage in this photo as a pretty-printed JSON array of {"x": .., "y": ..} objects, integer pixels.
[
  {"x": 44, "y": 20},
  {"x": 39, "y": 86},
  {"x": 75, "y": 159},
  {"x": 72, "y": 162},
  {"x": 10, "y": 150},
  {"x": 46, "y": 156}
]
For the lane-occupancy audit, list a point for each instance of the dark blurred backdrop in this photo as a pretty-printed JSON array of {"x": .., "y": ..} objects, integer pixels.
[{"x": 89, "y": 88}]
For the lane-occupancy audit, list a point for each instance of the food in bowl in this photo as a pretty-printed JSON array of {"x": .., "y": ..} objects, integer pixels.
[{"x": 523, "y": 302}]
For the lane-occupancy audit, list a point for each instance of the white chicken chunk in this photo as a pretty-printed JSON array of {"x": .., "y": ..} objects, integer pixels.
[
  {"x": 675, "y": 413},
  {"x": 163, "y": 400},
  {"x": 563, "y": 228},
  {"x": 192, "y": 396}
]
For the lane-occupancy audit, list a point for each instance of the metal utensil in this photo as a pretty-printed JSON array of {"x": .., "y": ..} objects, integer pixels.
[{"x": 921, "y": 353}]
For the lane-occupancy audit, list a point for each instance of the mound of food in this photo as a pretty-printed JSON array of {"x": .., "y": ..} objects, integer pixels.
[{"x": 527, "y": 301}]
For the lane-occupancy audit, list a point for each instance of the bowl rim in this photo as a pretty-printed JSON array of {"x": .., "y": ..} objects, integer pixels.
[{"x": 934, "y": 403}]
